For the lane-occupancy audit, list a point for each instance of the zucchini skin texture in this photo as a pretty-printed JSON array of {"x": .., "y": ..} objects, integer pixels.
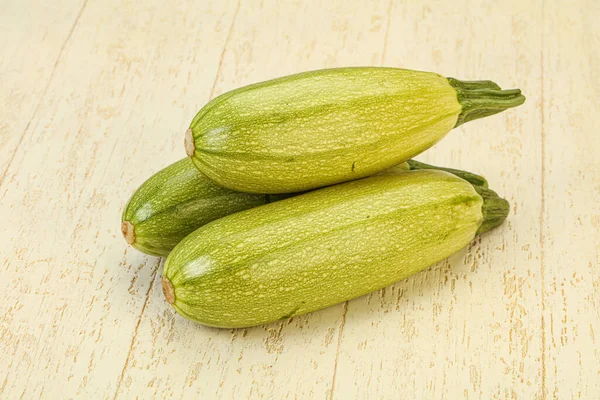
[
  {"x": 321, "y": 248},
  {"x": 176, "y": 201},
  {"x": 319, "y": 128},
  {"x": 179, "y": 199}
]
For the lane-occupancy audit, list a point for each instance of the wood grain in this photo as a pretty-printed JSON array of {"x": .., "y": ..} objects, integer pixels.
[
  {"x": 570, "y": 212},
  {"x": 95, "y": 98},
  {"x": 29, "y": 34},
  {"x": 470, "y": 326}
]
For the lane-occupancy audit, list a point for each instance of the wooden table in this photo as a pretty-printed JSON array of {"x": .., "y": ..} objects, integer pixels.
[{"x": 96, "y": 96}]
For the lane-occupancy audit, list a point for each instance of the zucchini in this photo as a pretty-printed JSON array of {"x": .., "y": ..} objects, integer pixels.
[
  {"x": 179, "y": 199},
  {"x": 323, "y": 127},
  {"x": 173, "y": 203},
  {"x": 320, "y": 248}
]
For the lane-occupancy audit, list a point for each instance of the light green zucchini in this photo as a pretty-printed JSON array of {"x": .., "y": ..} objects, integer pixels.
[
  {"x": 323, "y": 127},
  {"x": 179, "y": 199},
  {"x": 320, "y": 248}
]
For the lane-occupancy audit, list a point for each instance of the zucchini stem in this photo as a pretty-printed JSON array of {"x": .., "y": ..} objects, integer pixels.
[
  {"x": 495, "y": 209},
  {"x": 473, "y": 179},
  {"x": 473, "y": 85},
  {"x": 483, "y": 98}
]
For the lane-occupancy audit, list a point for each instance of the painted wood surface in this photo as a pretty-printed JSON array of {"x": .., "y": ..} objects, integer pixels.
[{"x": 96, "y": 96}]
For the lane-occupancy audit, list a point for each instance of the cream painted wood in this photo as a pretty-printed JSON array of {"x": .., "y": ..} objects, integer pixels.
[
  {"x": 95, "y": 98},
  {"x": 32, "y": 43}
]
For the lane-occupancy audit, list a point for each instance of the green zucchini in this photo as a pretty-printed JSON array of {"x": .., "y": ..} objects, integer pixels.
[
  {"x": 179, "y": 199},
  {"x": 323, "y": 127},
  {"x": 320, "y": 248},
  {"x": 173, "y": 203}
]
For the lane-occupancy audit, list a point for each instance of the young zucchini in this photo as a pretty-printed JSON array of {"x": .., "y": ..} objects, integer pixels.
[
  {"x": 173, "y": 203},
  {"x": 320, "y": 248},
  {"x": 179, "y": 199},
  {"x": 323, "y": 127}
]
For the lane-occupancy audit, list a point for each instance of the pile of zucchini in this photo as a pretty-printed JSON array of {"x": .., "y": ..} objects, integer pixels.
[{"x": 301, "y": 192}]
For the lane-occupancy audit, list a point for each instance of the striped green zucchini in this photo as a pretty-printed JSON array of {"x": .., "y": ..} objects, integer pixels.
[
  {"x": 179, "y": 199},
  {"x": 320, "y": 248},
  {"x": 323, "y": 127},
  {"x": 174, "y": 202}
]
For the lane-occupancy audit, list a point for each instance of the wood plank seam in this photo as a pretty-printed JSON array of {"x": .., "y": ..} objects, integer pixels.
[
  {"x": 50, "y": 79},
  {"x": 137, "y": 327},
  {"x": 337, "y": 351},
  {"x": 542, "y": 205},
  {"x": 387, "y": 31},
  {"x": 153, "y": 277},
  {"x": 345, "y": 309},
  {"x": 227, "y": 40}
]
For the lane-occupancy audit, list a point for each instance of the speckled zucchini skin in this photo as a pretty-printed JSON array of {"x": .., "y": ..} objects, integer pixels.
[
  {"x": 311, "y": 251},
  {"x": 323, "y": 127},
  {"x": 173, "y": 203}
]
